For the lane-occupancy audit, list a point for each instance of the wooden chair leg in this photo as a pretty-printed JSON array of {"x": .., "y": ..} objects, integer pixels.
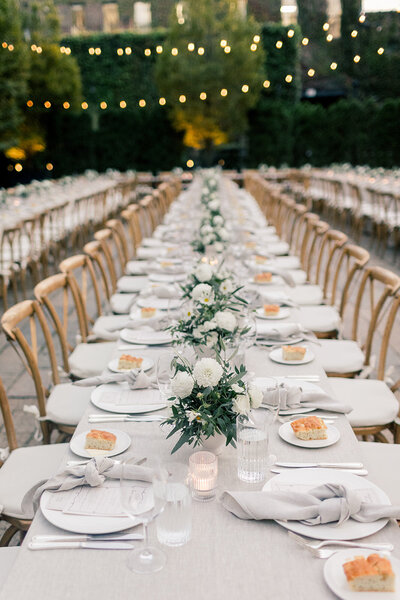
[{"x": 8, "y": 535}]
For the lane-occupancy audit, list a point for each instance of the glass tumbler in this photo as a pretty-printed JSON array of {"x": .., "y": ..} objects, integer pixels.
[{"x": 174, "y": 524}]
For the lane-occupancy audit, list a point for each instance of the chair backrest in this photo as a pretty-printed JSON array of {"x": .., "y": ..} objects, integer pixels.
[
  {"x": 376, "y": 289},
  {"x": 81, "y": 273},
  {"x": 7, "y": 420},
  {"x": 27, "y": 330},
  {"x": 120, "y": 242},
  {"x": 95, "y": 252},
  {"x": 106, "y": 239},
  {"x": 63, "y": 302},
  {"x": 390, "y": 330},
  {"x": 317, "y": 230},
  {"x": 331, "y": 244}
]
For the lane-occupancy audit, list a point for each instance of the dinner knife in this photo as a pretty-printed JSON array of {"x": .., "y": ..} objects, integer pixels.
[
  {"x": 108, "y": 537},
  {"x": 84, "y": 545},
  {"x": 361, "y": 472},
  {"x": 321, "y": 465},
  {"x": 104, "y": 419}
]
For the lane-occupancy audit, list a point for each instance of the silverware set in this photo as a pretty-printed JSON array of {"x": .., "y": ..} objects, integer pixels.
[
  {"x": 121, "y": 418},
  {"x": 114, "y": 541},
  {"x": 320, "y": 550}
]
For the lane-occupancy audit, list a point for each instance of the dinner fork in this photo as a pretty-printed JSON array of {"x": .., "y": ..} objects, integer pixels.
[
  {"x": 325, "y": 553},
  {"x": 316, "y": 545}
]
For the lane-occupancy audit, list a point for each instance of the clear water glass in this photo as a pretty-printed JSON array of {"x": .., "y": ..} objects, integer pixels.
[
  {"x": 174, "y": 524},
  {"x": 164, "y": 372},
  {"x": 252, "y": 448}
]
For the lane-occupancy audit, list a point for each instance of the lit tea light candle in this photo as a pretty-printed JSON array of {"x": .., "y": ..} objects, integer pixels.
[{"x": 203, "y": 468}]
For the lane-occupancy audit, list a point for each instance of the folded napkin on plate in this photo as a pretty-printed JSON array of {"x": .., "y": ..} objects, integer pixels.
[
  {"x": 93, "y": 473},
  {"x": 328, "y": 503},
  {"x": 293, "y": 397},
  {"x": 278, "y": 332},
  {"x": 162, "y": 291},
  {"x": 137, "y": 380},
  {"x": 155, "y": 324},
  {"x": 268, "y": 297}
]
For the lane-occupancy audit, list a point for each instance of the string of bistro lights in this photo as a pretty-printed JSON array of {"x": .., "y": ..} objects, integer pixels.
[{"x": 201, "y": 51}]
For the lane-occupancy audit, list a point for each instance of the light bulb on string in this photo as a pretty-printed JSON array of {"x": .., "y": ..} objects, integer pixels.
[{"x": 329, "y": 37}]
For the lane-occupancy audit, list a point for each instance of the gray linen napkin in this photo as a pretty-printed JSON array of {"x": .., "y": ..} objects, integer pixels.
[
  {"x": 137, "y": 380},
  {"x": 293, "y": 397},
  {"x": 328, "y": 503},
  {"x": 93, "y": 473},
  {"x": 156, "y": 324},
  {"x": 276, "y": 298},
  {"x": 278, "y": 332},
  {"x": 162, "y": 291}
]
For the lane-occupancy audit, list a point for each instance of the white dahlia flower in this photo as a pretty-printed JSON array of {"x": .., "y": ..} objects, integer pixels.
[
  {"x": 207, "y": 372},
  {"x": 203, "y": 272},
  {"x": 241, "y": 404},
  {"x": 255, "y": 395}
]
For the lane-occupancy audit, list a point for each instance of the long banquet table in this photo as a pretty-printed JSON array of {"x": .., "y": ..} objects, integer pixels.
[{"x": 226, "y": 558}]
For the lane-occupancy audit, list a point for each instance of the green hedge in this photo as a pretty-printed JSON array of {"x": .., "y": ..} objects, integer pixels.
[{"x": 348, "y": 131}]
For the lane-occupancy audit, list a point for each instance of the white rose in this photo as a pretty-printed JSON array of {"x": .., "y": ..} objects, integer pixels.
[
  {"x": 209, "y": 325},
  {"x": 225, "y": 320},
  {"x": 218, "y": 220},
  {"x": 206, "y": 229},
  {"x": 226, "y": 287},
  {"x": 218, "y": 247},
  {"x": 213, "y": 205},
  {"x": 207, "y": 372},
  {"x": 241, "y": 404},
  {"x": 223, "y": 234},
  {"x": 256, "y": 395},
  {"x": 182, "y": 384},
  {"x": 203, "y": 272},
  {"x": 207, "y": 239},
  {"x": 212, "y": 339},
  {"x": 197, "y": 333}
]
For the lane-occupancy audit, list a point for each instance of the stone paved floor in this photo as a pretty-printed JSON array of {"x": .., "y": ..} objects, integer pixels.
[{"x": 20, "y": 389}]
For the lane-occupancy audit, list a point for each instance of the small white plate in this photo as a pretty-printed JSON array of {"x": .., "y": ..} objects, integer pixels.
[
  {"x": 283, "y": 314},
  {"x": 167, "y": 277},
  {"x": 275, "y": 280},
  {"x": 175, "y": 261},
  {"x": 147, "y": 364},
  {"x": 160, "y": 303},
  {"x": 302, "y": 480},
  {"x": 286, "y": 342},
  {"x": 286, "y": 433},
  {"x": 77, "y": 444},
  {"x": 265, "y": 382},
  {"x": 336, "y": 579},
  {"x": 150, "y": 338},
  {"x": 135, "y": 408},
  {"x": 276, "y": 356},
  {"x": 83, "y": 523}
]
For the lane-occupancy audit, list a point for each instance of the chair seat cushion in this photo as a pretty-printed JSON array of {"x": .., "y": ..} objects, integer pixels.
[
  {"x": 306, "y": 295},
  {"x": 67, "y": 403},
  {"x": 23, "y": 469},
  {"x": 339, "y": 356},
  {"x": 121, "y": 303},
  {"x": 299, "y": 276},
  {"x": 372, "y": 401},
  {"x": 103, "y": 323},
  {"x": 284, "y": 262},
  {"x": 320, "y": 319},
  {"x": 380, "y": 459},
  {"x": 7, "y": 558},
  {"x": 88, "y": 360}
]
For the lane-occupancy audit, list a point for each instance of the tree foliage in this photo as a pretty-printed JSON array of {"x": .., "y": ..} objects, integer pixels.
[
  {"x": 13, "y": 71},
  {"x": 217, "y": 118}
]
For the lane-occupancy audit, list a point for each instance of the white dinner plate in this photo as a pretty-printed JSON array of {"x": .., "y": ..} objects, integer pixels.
[
  {"x": 336, "y": 579},
  {"x": 283, "y": 314},
  {"x": 167, "y": 277},
  {"x": 137, "y": 267},
  {"x": 129, "y": 284},
  {"x": 135, "y": 407},
  {"x": 276, "y": 356},
  {"x": 147, "y": 364},
  {"x": 302, "y": 480},
  {"x": 90, "y": 525},
  {"x": 286, "y": 341},
  {"x": 160, "y": 303},
  {"x": 286, "y": 433},
  {"x": 77, "y": 444},
  {"x": 306, "y": 386},
  {"x": 175, "y": 261},
  {"x": 150, "y": 338},
  {"x": 275, "y": 280}
]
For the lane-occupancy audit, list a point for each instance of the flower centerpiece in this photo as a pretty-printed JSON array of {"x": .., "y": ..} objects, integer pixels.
[
  {"x": 207, "y": 398},
  {"x": 215, "y": 312}
]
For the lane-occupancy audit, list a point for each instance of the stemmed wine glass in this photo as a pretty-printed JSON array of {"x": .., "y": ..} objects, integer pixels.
[
  {"x": 164, "y": 372},
  {"x": 139, "y": 502}
]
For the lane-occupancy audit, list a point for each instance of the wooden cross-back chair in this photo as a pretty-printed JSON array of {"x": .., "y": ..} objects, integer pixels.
[
  {"x": 317, "y": 230},
  {"x": 331, "y": 244},
  {"x": 282, "y": 219},
  {"x": 106, "y": 239},
  {"x": 148, "y": 219},
  {"x": 61, "y": 296},
  {"x": 27, "y": 466},
  {"x": 95, "y": 251},
  {"x": 120, "y": 242},
  {"x": 132, "y": 216},
  {"x": 294, "y": 224},
  {"x": 303, "y": 230}
]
